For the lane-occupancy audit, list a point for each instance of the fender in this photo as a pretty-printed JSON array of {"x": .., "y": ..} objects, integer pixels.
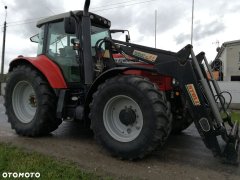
[
  {"x": 106, "y": 75},
  {"x": 111, "y": 73},
  {"x": 48, "y": 68},
  {"x": 127, "y": 70}
]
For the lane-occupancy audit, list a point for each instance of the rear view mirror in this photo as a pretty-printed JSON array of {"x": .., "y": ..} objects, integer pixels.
[
  {"x": 35, "y": 38},
  {"x": 70, "y": 25},
  {"x": 112, "y": 31},
  {"x": 128, "y": 38}
]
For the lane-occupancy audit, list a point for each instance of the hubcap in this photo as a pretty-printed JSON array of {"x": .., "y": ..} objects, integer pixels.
[
  {"x": 123, "y": 118},
  {"x": 24, "y": 102},
  {"x": 127, "y": 116}
]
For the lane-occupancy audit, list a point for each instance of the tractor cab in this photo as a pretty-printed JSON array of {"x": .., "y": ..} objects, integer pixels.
[{"x": 64, "y": 48}]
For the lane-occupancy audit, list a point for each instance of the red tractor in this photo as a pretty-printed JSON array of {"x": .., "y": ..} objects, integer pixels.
[{"x": 132, "y": 106}]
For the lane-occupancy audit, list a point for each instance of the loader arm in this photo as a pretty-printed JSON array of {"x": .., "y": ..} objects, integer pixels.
[{"x": 196, "y": 87}]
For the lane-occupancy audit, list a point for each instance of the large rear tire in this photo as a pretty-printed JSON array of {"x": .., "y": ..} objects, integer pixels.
[
  {"x": 30, "y": 103},
  {"x": 130, "y": 117}
]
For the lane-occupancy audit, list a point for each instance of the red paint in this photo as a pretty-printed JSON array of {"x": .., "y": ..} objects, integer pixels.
[
  {"x": 49, "y": 69},
  {"x": 118, "y": 56},
  {"x": 163, "y": 82}
]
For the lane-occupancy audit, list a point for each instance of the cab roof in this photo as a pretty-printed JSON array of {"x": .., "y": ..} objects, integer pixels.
[{"x": 96, "y": 19}]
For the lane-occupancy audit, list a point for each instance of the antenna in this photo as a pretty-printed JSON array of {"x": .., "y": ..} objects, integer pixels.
[
  {"x": 155, "y": 28},
  {"x": 192, "y": 22},
  {"x": 5, "y": 13},
  {"x": 216, "y": 43}
]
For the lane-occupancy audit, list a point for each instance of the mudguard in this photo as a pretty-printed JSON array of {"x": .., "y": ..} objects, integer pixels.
[
  {"x": 48, "y": 68},
  {"x": 106, "y": 75}
]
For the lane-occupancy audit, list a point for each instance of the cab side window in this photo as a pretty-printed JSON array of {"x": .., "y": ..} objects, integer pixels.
[{"x": 60, "y": 50}]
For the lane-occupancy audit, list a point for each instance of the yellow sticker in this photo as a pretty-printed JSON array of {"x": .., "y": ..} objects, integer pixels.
[
  {"x": 193, "y": 94},
  {"x": 106, "y": 54},
  {"x": 143, "y": 55}
]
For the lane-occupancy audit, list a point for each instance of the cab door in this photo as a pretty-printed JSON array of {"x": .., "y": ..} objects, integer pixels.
[{"x": 60, "y": 50}]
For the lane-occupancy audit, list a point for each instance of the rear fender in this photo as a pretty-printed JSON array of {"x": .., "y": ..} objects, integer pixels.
[{"x": 46, "y": 67}]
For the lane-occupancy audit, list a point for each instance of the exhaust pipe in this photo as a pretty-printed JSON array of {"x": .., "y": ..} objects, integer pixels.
[
  {"x": 86, "y": 43},
  {"x": 86, "y": 7}
]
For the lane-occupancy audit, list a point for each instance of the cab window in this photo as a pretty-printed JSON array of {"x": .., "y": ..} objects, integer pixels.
[{"x": 60, "y": 50}]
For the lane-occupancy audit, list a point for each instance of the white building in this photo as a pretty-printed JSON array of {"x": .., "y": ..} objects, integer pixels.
[{"x": 229, "y": 54}]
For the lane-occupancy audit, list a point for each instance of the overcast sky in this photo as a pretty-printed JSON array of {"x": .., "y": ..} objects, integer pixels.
[{"x": 215, "y": 20}]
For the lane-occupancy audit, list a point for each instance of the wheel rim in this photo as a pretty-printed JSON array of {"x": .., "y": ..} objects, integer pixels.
[
  {"x": 113, "y": 124},
  {"x": 24, "y": 102}
]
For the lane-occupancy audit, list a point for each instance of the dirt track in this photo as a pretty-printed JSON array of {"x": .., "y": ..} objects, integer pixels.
[{"x": 183, "y": 157}]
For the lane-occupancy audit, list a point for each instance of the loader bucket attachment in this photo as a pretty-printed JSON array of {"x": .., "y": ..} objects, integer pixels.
[
  {"x": 232, "y": 148},
  {"x": 231, "y": 151},
  {"x": 230, "y": 134}
]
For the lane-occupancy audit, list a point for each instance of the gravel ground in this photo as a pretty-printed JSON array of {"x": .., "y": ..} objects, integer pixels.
[{"x": 183, "y": 157}]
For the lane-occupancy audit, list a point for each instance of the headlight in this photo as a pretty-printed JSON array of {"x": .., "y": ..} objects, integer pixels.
[{"x": 174, "y": 82}]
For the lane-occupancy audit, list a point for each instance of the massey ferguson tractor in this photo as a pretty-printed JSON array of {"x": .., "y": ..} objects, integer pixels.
[{"x": 132, "y": 106}]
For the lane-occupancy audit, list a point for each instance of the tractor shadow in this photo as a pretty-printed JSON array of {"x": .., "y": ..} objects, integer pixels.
[
  {"x": 188, "y": 149},
  {"x": 73, "y": 130}
]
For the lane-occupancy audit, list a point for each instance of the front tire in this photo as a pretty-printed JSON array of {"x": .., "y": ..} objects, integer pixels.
[
  {"x": 30, "y": 103},
  {"x": 130, "y": 117}
]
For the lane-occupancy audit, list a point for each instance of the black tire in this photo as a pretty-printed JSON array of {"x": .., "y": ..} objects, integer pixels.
[
  {"x": 44, "y": 120},
  {"x": 157, "y": 119},
  {"x": 182, "y": 118}
]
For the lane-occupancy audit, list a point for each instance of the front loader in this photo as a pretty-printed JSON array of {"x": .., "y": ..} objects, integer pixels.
[{"x": 132, "y": 106}]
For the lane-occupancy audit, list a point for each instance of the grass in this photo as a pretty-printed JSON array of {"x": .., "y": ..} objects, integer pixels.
[
  {"x": 14, "y": 159},
  {"x": 236, "y": 116}
]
